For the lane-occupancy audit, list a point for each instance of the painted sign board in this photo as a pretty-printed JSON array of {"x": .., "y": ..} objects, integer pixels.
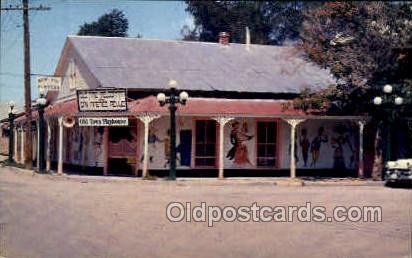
[
  {"x": 103, "y": 121},
  {"x": 49, "y": 83},
  {"x": 102, "y": 100}
]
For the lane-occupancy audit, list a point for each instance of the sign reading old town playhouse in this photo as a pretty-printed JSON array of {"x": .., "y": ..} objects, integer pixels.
[
  {"x": 102, "y": 100},
  {"x": 103, "y": 121}
]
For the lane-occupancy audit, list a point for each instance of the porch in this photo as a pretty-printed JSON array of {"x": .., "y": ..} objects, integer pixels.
[{"x": 216, "y": 138}]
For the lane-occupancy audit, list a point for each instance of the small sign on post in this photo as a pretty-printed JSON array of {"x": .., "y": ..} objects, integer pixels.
[
  {"x": 103, "y": 121},
  {"x": 102, "y": 100},
  {"x": 49, "y": 83}
]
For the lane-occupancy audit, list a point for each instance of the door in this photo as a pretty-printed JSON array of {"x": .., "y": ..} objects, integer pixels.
[
  {"x": 122, "y": 150},
  {"x": 185, "y": 147}
]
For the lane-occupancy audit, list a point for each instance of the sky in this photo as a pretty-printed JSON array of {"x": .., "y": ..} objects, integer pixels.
[{"x": 49, "y": 29}]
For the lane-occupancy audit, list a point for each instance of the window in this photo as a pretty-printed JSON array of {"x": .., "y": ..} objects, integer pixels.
[
  {"x": 266, "y": 144},
  {"x": 72, "y": 75},
  {"x": 205, "y": 149}
]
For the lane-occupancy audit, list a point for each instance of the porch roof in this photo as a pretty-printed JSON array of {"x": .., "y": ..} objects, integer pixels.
[
  {"x": 213, "y": 106},
  {"x": 197, "y": 107}
]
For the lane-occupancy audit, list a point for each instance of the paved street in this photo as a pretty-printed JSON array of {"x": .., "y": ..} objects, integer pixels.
[{"x": 51, "y": 216}]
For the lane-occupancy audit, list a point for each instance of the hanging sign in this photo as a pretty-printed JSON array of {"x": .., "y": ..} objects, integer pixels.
[
  {"x": 102, "y": 100},
  {"x": 49, "y": 83},
  {"x": 103, "y": 121}
]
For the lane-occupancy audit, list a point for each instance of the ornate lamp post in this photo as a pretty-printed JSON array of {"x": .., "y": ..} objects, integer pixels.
[
  {"x": 11, "y": 131},
  {"x": 388, "y": 102},
  {"x": 173, "y": 99},
  {"x": 41, "y": 104}
]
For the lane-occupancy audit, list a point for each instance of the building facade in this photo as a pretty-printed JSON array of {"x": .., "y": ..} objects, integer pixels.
[{"x": 236, "y": 121}]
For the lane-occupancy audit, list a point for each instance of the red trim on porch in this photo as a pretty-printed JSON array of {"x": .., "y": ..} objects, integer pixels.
[{"x": 216, "y": 106}]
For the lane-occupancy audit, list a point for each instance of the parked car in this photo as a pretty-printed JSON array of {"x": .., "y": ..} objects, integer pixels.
[{"x": 399, "y": 171}]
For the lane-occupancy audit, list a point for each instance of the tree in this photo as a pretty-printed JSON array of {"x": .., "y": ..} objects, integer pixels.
[
  {"x": 113, "y": 24},
  {"x": 271, "y": 22},
  {"x": 365, "y": 45}
]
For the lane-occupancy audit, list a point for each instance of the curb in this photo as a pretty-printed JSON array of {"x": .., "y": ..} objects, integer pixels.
[{"x": 288, "y": 182}]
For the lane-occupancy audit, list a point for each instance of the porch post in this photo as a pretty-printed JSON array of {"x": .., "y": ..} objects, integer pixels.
[
  {"x": 361, "y": 163},
  {"x": 22, "y": 145},
  {"x": 146, "y": 118},
  {"x": 222, "y": 122},
  {"x": 293, "y": 123},
  {"x": 60, "y": 160},
  {"x": 48, "y": 146},
  {"x": 105, "y": 150},
  {"x": 16, "y": 135},
  {"x": 37, "y": 144}
]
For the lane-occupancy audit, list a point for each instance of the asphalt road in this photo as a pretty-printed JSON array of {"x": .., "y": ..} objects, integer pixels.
[{"x": 51, "y": 216}]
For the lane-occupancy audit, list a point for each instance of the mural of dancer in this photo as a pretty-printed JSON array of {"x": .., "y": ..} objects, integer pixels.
[
  {"x": 152, "y": 139},
  {"x": 316, "y": 144},
  {"x": 239, "y": 152},
  {"x": 304, "y": 146},
  {"x": 338, "y": 144},
  {"x": 98, "y": 142}
]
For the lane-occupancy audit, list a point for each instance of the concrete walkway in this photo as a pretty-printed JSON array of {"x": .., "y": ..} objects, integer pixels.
[{"x": 278, "y": 181}]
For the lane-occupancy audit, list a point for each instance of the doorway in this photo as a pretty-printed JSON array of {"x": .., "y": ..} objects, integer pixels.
[
  {"x": 185, "y": 147},
  {"x": 122, "y": 150}
]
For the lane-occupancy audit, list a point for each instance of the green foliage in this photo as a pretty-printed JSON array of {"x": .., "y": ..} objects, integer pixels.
[
  {"x": 113, "y": 24},
  {"x": 270, "y": 22},
  {"x": 365, "y": 45}
]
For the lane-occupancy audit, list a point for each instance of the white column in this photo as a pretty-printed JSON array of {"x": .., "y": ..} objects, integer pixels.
[
  {"x": 146, "y": 118},
  {"x": 37, "y": 144},
  {"x": 222, "y": 120},
  {"x": 361, "y": 163},
  {"x": 60, "y": 160},
  {"x": 293, "y": 123},
  {"x": 16, "y": 152},
  {"x": 48, "y": 146},
  {"x": 22, "y": 145},
  {"x": 106, "y": 150}
]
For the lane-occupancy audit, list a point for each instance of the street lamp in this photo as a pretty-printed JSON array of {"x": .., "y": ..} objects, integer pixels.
[
  {"x": 11, "y": 130},
  {"x": 388, "y": 102},
  {"x": 172, "y": 100},
  {"x": 41, "y": 104}
]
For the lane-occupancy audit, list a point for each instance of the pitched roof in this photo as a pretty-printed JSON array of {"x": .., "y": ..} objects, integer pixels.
[{"x": 149, "y": 64}]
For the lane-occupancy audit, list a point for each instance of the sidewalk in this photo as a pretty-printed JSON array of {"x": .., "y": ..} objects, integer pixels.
[{"x": 276, "y": 181}]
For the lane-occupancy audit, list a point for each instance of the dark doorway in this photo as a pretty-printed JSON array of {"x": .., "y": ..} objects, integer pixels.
[
  {"x": 122, "y": 150},
  {"x": 185, "y": 147}
]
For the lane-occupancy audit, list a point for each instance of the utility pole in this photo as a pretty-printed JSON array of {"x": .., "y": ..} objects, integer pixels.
[{"x": 28, "y": 148}]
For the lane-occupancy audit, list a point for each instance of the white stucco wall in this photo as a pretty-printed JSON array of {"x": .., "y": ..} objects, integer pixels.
[
  {"x": 157, "y": 157},
  {"x": 91, "y": 151},
  {"x": 327, "y": 149}
]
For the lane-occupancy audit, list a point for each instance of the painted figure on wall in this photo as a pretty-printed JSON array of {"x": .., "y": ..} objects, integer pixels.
[
  {"x": 166, "y": 141},
  {"x": 76, "y": 150},
  {"x": 338, "y": 143},
  {"x": 152, "y": 139},
  {"x": 239, "y": 152},
  {"x": 316, "y": 145},
  {"x": 98, "y": 141},
  {"x": 304, "y": 146},
  {"x": 86, "y": 140}
]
